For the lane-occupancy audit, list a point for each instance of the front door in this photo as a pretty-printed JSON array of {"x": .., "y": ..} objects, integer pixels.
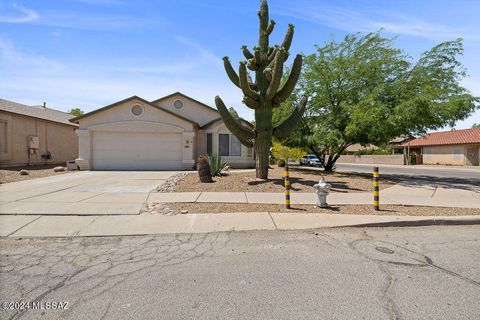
[{"x": 472, "y": 156}]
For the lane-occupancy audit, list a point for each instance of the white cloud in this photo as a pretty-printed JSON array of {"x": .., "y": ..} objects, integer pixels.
[
  {"x": 20, "y": 14},
  {"x": 11, "y": 55},
  {"x": 14, "y": 13},
  {"x": 77, "y": 20},
  {"x": 354, "y": 21},
  {"x": 206, "y": 54}
]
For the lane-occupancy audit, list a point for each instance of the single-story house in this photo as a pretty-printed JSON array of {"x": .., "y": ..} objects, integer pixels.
[
  {"x": 457, "y": 147},
  {"x": 165, "y": 134},
  {"x": 35, "y": 135}
]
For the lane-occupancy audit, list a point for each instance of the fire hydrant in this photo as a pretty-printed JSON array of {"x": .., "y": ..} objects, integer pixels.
[{"x": 323, "y": 189}]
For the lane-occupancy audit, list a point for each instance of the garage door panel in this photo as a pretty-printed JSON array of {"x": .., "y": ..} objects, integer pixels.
[{"x": 137, "y": 151}]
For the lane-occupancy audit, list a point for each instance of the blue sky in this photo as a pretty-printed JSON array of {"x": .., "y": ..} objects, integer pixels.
[{"x": 90, "y": 53}]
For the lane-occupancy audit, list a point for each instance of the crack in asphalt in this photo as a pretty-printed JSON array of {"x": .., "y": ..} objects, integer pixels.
[{"x": 95, "y": 266}]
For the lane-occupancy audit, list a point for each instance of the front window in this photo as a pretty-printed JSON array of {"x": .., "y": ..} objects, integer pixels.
[
  {"x": 228, "y": 145},
  {"x": 235, "y": 146},
  {"x": 223, "y": 144},
  {"x": 209, "y": 143}
]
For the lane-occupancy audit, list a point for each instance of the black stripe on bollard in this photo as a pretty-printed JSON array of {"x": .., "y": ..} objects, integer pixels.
[{"x": 376, "y": 189}]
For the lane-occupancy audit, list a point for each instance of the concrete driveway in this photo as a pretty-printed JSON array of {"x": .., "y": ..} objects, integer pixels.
[{"x": 81, "y": 193}]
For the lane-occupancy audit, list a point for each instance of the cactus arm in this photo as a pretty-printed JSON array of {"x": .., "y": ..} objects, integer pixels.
[
  {"x": 232, "y": 75},
  {"x": 270, "y": 50},
  {"x": 272, "y": 54},
  {"x": 258, "y": 55},
  {"x": 263, "y": 36},
  {"x": 244, "y": 135},
  {"x": 282, "y": 130},
  {"x": 248, "y": 55},
  {"x": 289, "y": 85},
  {"x": 251, "y": 65},
  {"x": 270, "y": 27},
  {"x": 247, "y": 90},
  {"x": 268, "y": 73},
  {"x": 252, "y": 84},
  {"x": 250, "y": 102},
  {"x": 276, "y": 75},
  {"x": 287, "y": 41}
]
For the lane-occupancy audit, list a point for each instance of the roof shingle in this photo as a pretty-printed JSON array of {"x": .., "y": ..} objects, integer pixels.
[
  {"x": 466, "y": 136},
  {"x": 39, "y": 112}
]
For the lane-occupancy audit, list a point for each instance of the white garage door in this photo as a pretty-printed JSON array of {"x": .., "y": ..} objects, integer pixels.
[{"x": 137, "y": 151}]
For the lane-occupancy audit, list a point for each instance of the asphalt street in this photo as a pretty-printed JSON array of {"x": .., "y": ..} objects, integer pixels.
[
  {"x": 375, "y": 273},
  {"x": 436, "y": 172}
]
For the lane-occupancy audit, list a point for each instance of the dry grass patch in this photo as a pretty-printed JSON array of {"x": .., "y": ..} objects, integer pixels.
[
  {"x": 12, "y": 174},
  {"x": 302, "y": 180},
  {"x": 390, "y": 210}
]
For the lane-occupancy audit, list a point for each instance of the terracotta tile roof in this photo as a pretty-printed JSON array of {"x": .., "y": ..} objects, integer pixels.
[
  {"x": 466, "y": 136},
  {"x": 39, "y": 112}
]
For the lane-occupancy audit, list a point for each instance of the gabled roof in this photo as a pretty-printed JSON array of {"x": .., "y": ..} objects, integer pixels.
[
  {"x": 128, "y": 99},
  {"x": 466, "y": 136},
  {"x": 39, "y": 112},
  {"x": 243, "y": 121},
  {"x": 186, "y": 97}
]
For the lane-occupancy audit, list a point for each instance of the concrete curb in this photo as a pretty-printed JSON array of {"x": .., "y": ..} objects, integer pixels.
[
  {"x": 113, "y": 226},
  {"x": 420, "y": 223}
]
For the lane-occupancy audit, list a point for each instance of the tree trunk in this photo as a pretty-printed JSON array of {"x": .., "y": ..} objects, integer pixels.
[{"x": 329, "y": 166}]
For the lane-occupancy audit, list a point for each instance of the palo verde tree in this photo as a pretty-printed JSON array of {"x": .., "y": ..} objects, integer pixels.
[
  {"x": 264, "y": 93},
  {"x": 364, "y": 90}
]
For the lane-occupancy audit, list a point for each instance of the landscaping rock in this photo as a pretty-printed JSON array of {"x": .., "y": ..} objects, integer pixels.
[
  {"x": 158, "y": 208},
  {"x": 184, "y": 211},
  {"x": 24, "y": 172},
  {"x": 169, "y": 185},
  {"x": 59, "y": 169}
]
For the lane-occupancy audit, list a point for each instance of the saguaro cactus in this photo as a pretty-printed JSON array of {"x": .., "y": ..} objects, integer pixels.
[{"x": 265, "y": 93}]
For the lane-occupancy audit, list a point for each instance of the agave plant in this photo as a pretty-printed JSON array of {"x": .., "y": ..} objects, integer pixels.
[{"x": 217, "y": 164}]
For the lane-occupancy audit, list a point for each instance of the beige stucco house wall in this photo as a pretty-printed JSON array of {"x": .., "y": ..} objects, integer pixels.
[
  {"x": 460, "y": 155},
  {"x": 166, "y": 134},
  {"x": 58, "y": 139}
]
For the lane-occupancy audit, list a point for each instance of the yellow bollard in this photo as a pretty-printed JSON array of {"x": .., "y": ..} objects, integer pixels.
[
  {"x": 376, "y": 189},
  {"x": 286, "y": 178}
]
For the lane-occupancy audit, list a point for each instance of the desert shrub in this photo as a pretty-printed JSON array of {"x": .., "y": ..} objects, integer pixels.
[{"x": 374, "y": 151}]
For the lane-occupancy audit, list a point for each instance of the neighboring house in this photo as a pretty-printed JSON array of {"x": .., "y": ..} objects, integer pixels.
[
  {"x": 35, "y": 135},
  {"x": 398, "y": 142},
  {"x": 166, "y": 134},
  {"x": 354, "y": 148},
  {"x": 458, "y": 147}
]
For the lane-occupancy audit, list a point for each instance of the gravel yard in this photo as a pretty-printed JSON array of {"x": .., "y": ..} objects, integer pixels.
[
  {"x": 302, "y": 180},
  {"x": 391, "y": 210},
  {"x": 12, "y": 174}
]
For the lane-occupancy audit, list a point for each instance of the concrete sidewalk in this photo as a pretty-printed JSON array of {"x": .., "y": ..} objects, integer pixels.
[
  {"x": 86, "y": 226},
  {"x": 429, "y": 196}
]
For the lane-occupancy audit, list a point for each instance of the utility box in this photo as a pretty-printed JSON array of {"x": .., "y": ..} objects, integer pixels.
[
  {"x": 33, "y": 142},
  {"x": 71, "y": 165}
]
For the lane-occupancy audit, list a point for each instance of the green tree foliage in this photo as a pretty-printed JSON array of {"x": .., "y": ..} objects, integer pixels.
[
  {"x": 76, "y": 112},
  {"x": 265, "y": 92},
  {"x": 476, "y": 125},
  {"x": 364, "y": 90}
]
